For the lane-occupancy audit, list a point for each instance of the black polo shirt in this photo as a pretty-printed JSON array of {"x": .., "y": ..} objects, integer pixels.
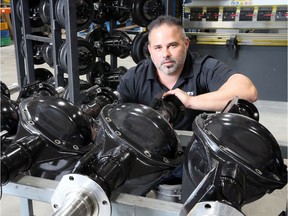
[{"x": 201, "y": 74}]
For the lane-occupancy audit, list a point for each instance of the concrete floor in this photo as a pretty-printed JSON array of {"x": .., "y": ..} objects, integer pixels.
[{"x": 273, "y": 115}]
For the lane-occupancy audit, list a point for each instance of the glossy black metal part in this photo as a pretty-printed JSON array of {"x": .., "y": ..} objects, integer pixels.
[
  {"x": 117, "y": 43},
  {"x": 144, "y": 11},
  {"x": 103, "y": 76},
  {"x": 86, "y": 56},
  {"x": 242, "y": 107},
  {"x": 4, "y": 90},
  {"x": 20, "y": 156},
  {"x": 249, "y": 156},
  {"x": 92, "y": 100},
  {"x": 37, "y": 48},
  {"x": 170, "y": 107},
  {"x": 60, "y": 125},
  {"x": 36, "y": 89},
  {"x": 9, "y": 115},
  {"x": 113, "y": 78},
  {"x": 135, "y": 148},
  {"x": 35, "y": 19},
  {"x": 61, "y": 122},
  {"x": 139, "y": 49},
  {"x": 100, "y": 67},
  {"x": 84, "y": 13}
]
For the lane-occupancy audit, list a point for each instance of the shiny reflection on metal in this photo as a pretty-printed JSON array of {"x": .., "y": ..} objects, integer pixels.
[
  {"x": 165, "y": 160},
  {"x": 214, "y": 208},
  {"x": 222, "y": 147},
  {"x": 57, "y": 142},
  {"x": 108, "y": 119},
  {"x": 276, "y": 177},
  {"x": 75, "y": 147},
  {"x": 118, "y": 133},
  {"x": 258, "y": 171},
  {"x": 60, "y": 90},
  {"x": 147, "y": 153},
  {"x": 14, "y": 88},
  {"x": 79, "y": 195}
]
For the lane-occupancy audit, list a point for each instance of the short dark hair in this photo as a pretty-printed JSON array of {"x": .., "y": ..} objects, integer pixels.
[{"x": 164, "y": 19}]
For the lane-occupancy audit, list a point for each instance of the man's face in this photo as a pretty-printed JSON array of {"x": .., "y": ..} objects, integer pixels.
[{"x": 168, "y": 49}]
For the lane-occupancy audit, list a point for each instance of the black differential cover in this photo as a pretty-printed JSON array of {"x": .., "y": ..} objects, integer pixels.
[
  {"x": 58, "y": 120},
  {"x": 234, "y": 138}
]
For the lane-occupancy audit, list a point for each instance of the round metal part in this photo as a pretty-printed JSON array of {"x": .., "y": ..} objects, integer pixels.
[
  {"x": 101, "y": 12},
  {"x": 139, "y": 49},
  {"x": 4, "y": 89},
  {"x": 119, "y": 10},
  {"x": 131, "y": 119},
  {"x": 242, "y": 107},
  {"x": 84, "y": 13},
  {"x": 46, "y": 51},
  {"x": 9, "y": 115},
  {"x": 144, "y": 11},
  {"x": 36, "y": 48},
  {"x": 42, "y": 74},
  {"x": 37, "y": 89},
  {"x": 58, "y": 119},
  {"x": 119, "y": 44},
  {"x": 120, "y": 70},
  {"x": 97, "y": 95},
  {"x": 213, "y": 208},
  {"x": 101, "y": 67},
  {"x": 44, "y": 11},
  {"x": 97, "y": 38},
  {"x": 35, "y": 20},
  {"x": 86, "y": 56},
  {"x": 83, "y": 86},
  {"x": 112, "y": 79},
  {"x": 170, "y": 107},
  {"x": 79, "y": 195},
  {"x": 248, "y": 109}
]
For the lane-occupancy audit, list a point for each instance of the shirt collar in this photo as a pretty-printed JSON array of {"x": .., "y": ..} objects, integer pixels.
[
  {"x": 186, "y": 73},
  {"x": 151, "y": 73}
]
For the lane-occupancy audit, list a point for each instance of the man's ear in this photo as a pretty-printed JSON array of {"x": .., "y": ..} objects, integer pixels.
[{"x": 187, "y": 42}]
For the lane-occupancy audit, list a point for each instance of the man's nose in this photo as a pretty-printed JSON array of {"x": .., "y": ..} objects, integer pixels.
[{"x": 166, "y": 52}]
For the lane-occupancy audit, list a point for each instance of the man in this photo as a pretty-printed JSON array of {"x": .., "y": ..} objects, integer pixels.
[{"x": 201, "y": 83}]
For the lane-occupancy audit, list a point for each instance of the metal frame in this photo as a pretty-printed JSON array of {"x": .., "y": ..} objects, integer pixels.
[
  {"x": 34, "y": 188},
  {"x": 22, "y": 31}
]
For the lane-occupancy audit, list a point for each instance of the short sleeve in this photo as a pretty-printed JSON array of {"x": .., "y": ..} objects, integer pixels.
[{"x": 214, "y": 74}]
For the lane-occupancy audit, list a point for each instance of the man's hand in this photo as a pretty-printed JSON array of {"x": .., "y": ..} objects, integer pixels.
[{"x": 181, "y": 95}]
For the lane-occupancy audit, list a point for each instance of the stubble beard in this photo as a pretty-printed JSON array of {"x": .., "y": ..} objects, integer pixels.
[{"x": 176, "y": 66}]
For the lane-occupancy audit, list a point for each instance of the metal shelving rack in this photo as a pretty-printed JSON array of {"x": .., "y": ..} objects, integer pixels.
[{"x": 24, "y": 63}]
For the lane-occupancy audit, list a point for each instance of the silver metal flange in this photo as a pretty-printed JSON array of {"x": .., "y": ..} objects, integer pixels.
[
  {"x": 214, "y": 208},
  {"x": 79, "y": 195}
]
